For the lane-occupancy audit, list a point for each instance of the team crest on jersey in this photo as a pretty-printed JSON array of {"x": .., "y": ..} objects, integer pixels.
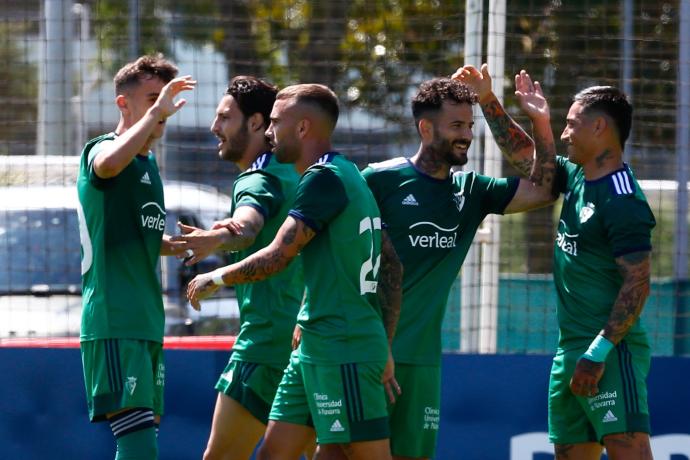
[
  {"x": 131, "y": 384},
  {"x": 586, "y": 212},
  {"x": 459, "y": 199}
]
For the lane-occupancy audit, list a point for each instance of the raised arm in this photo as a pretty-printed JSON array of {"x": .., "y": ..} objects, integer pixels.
[
  {"x": 635, "y": 269},
  {"x": 538, "y": 190},
  {"x": 292, "y": 236},
  {"x": 111, "y": 161},
  {"x": 515, "y": 144}
]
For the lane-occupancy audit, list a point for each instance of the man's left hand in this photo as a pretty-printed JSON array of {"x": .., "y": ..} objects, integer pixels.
[{"x": 585, "y": 380}]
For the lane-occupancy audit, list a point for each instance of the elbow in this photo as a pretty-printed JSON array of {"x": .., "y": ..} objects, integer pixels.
[{"x": 106, "y": 167}]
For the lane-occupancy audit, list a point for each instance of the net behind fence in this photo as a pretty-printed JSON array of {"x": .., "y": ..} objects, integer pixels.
[{"x": 56, "y": 92}]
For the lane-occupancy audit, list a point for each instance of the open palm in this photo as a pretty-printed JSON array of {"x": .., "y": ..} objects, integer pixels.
[{"x": 530, "y": 96}]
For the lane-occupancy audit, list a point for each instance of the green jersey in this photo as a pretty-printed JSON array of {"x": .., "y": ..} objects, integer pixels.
[
  {"x": 431, "y": 223},
  {"x": 121, "y": 222},
  {"x": 600, "y": 220},
  {"x": 268, "y": 309},
  {"x": 340, "y": 319}
]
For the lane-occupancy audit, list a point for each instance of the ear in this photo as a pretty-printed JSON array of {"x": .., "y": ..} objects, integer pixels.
[
  {"x": 256, "y": 122},
  {"x": 426, "y": 129},
  {"x": 121, "y": 102},
  {"x": 303, "y": 127},
  {"x": 600, "y": 125}
]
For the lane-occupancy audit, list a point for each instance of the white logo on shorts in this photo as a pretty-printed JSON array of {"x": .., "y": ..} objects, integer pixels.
[
  {"x": 337, "y": 426},
  {"x": 131, "y": 384},
  {"x": 609, "y": 417}
]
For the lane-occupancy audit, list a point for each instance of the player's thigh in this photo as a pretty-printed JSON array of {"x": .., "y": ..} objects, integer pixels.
[
  {"x": 582, "y": 451},
  {"x": 415, "y": 415},
  {"x": 235, "y": 432},
  {"x": 623, "y": 446},
  {"x": 567, "y": 419},
  {"x": 620, "y": 406},
  {"x": 252, "y": 385},
  {"x": 122, "y": 373},
  {"x": 347, "y": 402}
]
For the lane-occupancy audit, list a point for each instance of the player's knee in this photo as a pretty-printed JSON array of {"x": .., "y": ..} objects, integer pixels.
[
  {"x": 268, "y": 451},
  {"x": 135, "y": 435}
]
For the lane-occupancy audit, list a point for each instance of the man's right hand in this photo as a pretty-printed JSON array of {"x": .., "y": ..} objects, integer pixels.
[{"x": 165, "y": 105}]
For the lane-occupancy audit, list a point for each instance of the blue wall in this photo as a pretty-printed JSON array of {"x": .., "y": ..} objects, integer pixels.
[{"x": 487, "y": 400}]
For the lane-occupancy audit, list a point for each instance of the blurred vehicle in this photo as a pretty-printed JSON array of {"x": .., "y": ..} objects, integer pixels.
[{"x": 40, "y": 282}]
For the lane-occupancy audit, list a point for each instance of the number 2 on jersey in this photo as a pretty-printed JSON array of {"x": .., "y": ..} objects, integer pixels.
[{"x": 367, "y": 286}]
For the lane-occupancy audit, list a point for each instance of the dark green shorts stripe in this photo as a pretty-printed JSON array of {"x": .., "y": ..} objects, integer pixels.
[
  {"x": 353, "y": 400},
  {"x": 628, "y": 377},
  {"x": 113, "y": 362}
]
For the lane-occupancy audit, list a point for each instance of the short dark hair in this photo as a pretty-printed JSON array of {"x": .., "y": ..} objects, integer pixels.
[
  {"x": 154, "y": 65},
  {"x": 253, "y": 96},
  {"x": 319, "y": 96},
  {"x": 610, "y": 101},
  {"x": 432, "y": 93}
]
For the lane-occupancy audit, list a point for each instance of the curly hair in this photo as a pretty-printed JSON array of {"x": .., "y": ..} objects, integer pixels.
[
  {"x": 253, "y": 96},
  {"x": 610, "y": 101},
  {"x": 432, "y": 93},
  {"x": 152, "y": 65}
]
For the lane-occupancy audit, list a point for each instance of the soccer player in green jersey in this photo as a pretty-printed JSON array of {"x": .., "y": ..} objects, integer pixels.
[
  {"x": 121, "y": 223},
  {"x": 431, "y": 215},
  {"x": 598, "y": 392},
  {"x": 261, "y": 198},
  {"x": 336, "y": 379}
]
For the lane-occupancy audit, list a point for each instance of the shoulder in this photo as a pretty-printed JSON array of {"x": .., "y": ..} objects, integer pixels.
[{"x": 389, "y": 165}]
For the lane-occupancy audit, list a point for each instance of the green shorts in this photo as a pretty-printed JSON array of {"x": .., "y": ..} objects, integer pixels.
[
  {"x": 252, "y": 385},
  {"x": 343, "y": 402},
  {"x": 619, "y": 407},
  {"x": 415, "y": 416},
  {"x": 121, "y": 373}
]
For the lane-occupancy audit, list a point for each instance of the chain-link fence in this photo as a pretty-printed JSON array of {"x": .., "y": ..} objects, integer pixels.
[{"x": 56, "y": 92}]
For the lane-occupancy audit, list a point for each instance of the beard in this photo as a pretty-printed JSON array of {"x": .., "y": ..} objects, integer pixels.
[
  {"x": 235, "y": 145},
  {"x": 444, "y": 149}
]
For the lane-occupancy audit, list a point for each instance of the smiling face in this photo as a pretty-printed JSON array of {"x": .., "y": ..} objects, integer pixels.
[
  {"x": 230, "y": 127},
  {"x": 579, "y": 135},
  {"x": 452, "y": 133},
  {"x": 282, "y": 133}
]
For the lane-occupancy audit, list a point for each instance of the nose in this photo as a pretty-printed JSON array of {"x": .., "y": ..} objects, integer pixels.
[
  {"x": 269, "y": 131},
  {"x": 564, "y": 135},
  {"x": 214, "y": 125}
]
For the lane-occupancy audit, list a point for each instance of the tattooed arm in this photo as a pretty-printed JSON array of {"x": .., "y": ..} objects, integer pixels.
[
  {"x": 390, "y": 285},
  {"x": 635, "y": 268},
  {"x": 292, "y": 236},
  {"x": 539, "y": 189},
  {"x": 515, "y": 144},
  {"x": 390, "y": 298}
]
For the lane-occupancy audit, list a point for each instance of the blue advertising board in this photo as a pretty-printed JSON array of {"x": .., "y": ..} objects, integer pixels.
[{"x": 494, "y": 407}]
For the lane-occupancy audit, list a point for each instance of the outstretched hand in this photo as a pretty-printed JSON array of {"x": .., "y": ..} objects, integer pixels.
[
  {"x": 478, "y": 81},
  {"x": 530, "y": 96}
]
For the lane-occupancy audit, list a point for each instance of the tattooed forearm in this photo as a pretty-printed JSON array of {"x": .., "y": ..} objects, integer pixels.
[
  {"x": 544, "y": 168},
  {"x": 635, "y": 270},
  {"x": 292, "y": 236},
  {"x": 390, "y": 286},
  {"x": 259, "y": 266},
  {"x": 514, "y": 142}
]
